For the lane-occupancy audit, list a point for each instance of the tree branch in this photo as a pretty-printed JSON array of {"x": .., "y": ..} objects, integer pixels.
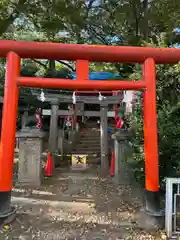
[
  {"x": 135, "y": 13},
  {"x": 66, "y": 64},
  {"x": 96, "y": 35},
  {"x": 40, "y": 63}
]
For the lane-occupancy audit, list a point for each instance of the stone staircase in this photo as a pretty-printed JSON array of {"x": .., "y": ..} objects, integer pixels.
[{"x": 90, "y": 143}]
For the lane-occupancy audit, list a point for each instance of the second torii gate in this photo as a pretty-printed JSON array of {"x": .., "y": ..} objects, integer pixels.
[{"x": 57, "y": 99}]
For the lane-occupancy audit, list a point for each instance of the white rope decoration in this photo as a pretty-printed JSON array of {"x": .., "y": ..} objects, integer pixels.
[
  {"x": 42, "y": 96},
  {"x": 101, "y": 97},
  {"x": 74, "y": 98}
]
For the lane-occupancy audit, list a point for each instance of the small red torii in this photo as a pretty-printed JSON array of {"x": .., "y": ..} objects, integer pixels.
[{"x": 82, "y": 54}]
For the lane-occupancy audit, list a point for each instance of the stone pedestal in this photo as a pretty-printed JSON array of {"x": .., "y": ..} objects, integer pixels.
[
  {"x": 30, "y": 151},
  {"x": 120, "y": 145}
]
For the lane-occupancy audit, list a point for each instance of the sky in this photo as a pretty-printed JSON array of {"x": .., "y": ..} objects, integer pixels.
[{"x": 177, "y": 30}]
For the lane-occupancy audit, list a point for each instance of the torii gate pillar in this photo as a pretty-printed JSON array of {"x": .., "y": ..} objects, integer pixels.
[{"x": 53, "y": 130}]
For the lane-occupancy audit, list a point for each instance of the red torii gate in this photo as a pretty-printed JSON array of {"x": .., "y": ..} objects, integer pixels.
[{"x": 82, "y": 54}]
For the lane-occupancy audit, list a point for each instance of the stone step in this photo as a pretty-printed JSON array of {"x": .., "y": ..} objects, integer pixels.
[
  {"x": 93, "y": 160},
  {"x": 90, "y": 139},
  {"x": 91, "y": 136},
  {"x": 92, "y": 154},
  {"x": 89, "y": 147},
  {"x": 87, "y": 141},
  {"x": 94, "y": 130},
  {"x": 88, "y": 144},
  {"x": 87, "y": 151}
]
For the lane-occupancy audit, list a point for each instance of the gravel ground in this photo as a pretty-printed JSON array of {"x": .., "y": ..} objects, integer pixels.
[{"x": 75, "y": 205}]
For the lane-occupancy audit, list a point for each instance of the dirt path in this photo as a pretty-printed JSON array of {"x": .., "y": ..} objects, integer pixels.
[{"x": 78, "y": 206}]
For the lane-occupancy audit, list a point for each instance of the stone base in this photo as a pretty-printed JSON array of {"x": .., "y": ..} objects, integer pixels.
[
  {"x": 148, "y": 222},
  {"x": 27, "y": 183}
]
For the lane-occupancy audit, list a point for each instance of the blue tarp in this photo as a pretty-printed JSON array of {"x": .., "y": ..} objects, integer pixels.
[{"x": 99, "y": 75}]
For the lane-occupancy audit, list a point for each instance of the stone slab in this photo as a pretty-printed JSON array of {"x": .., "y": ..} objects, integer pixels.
[{"x": 29, "y": 172}]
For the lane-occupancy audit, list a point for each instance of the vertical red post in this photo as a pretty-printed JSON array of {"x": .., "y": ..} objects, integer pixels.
[
  {"x": 82, "y": 70},
  {"x": 150, "y": 138},
  {"x": 9, "y": 118}
]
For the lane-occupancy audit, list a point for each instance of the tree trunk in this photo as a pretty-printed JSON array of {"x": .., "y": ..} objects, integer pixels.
[{"x": 145, "y": 20}]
